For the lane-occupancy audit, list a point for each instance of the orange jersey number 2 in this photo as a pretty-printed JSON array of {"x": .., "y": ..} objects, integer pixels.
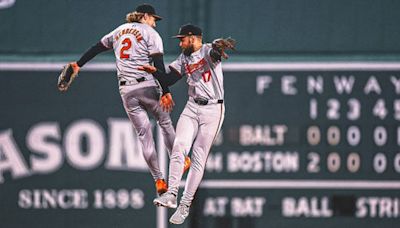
[{"x": 126, "y": 44}]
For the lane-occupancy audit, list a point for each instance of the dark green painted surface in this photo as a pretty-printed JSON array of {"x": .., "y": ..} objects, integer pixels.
[
  {"x": 31, "y": 98},
  {"x": 261, "y": 27}
]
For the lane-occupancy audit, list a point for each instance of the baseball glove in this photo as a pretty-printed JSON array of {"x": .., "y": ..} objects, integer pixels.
[
  {"x": 68, "y": 74},
  {"x": 167, "y": 103},
  {"x": 221, "y": 44}
]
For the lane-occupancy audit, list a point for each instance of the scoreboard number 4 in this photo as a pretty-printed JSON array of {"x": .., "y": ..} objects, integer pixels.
[{"x": 333, "y": 109}]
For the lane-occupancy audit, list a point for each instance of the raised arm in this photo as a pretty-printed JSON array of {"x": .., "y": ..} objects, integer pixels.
[
  {"x": 71, "y": 70},
  {"x": 159, "y": 72},
  {"x": 91, "y": 53}
]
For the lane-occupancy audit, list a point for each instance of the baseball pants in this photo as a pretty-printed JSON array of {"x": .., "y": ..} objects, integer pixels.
[
  {"x": 139, "y": 102},
  {"x": 197, "y": 127}
]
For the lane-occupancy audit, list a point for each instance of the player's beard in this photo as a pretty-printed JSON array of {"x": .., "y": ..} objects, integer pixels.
[{"x": 188, "y": 51}]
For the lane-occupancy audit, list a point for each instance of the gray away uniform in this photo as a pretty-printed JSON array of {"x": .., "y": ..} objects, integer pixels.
[
  {"x": 198, "y": 124},
  {"x": 133, "y": 45}
]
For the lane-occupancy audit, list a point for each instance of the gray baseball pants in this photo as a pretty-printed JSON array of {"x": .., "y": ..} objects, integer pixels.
[
  {"x": 137, "y": 103},
  {"x": 197, "y": 128}
]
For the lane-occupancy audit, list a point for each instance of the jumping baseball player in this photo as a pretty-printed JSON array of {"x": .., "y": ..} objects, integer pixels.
[
  {"x": 136, "y": 43},
  {"x": 202, "y": 116}
]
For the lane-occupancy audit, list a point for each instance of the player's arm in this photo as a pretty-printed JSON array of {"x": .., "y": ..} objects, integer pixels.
[
  {"x": 71, "y": 70},
  {"x": 91, "y": 53},
  {"x": 165, "y": 79},
  {"x": 158, "y": 62},
  {"x": 215, "y": 55},
  {"x": 158, "y": 71}
]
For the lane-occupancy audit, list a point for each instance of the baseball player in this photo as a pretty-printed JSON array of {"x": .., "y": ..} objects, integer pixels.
[
  {"x": 136, "y": 43},
  {"x": 201, "y": 118}
]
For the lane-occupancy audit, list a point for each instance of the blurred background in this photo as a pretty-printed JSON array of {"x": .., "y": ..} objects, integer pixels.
[{"x": 311, "y": 136}]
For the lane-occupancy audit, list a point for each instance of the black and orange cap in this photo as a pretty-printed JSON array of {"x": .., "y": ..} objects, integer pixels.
[
  {"x": 188, "y": 30},
  {"x": 147, "y": 8}
]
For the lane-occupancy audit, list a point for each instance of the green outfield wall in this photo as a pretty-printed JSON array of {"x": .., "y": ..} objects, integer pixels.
[
  {"x": 261, "y": 27},
  {"x": 303, "y": 145}
]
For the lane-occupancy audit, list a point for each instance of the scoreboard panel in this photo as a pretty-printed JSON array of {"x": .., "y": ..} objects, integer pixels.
[
  {"x": 305, "y": 145},
  {"x": 306, "y": 148},
  {"x": 312, "y": 124}
]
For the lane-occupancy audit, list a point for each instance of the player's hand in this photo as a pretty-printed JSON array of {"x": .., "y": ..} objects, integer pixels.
[
  {"x": 148, "y": 68},
  {"x": 75, "y": 66},
  {"x": 67, "y": 76},
  {"x": 166, "y": 102}
]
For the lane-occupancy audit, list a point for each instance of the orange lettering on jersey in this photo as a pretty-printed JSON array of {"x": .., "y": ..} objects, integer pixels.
[
  {"x": 132, "y": 31},
  {"x": 190, "y": 68}
]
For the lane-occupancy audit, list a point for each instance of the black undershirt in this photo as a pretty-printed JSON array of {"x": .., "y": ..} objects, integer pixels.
[
  {"x": 99, "y": 48},
  {"x": 173, "y": 76},
  {"x": 165, "y": 79},
  {"x": 91, "y": 53}
]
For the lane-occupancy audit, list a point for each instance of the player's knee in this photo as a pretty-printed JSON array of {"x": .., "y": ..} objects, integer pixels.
[
  {"x": 141, "y": 132},
  {"x": 178, "y": 156},
  {"x": 166, "y": 122},
  {"x": 143, "y": 129},
  {"x": 149, "y": 156},
  {"x": 179, "y": 145},
  {"x": 130, "y": 108}
]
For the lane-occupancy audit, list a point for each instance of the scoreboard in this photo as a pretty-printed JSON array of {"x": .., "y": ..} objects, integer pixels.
[
  {"x": 316, "y": 145},
  {"x": 335, "y": 125},
  {"x": 302, "y": 145}
]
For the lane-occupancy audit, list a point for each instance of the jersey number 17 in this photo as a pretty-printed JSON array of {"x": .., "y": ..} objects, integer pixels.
[{"x": 206, "y": 76}]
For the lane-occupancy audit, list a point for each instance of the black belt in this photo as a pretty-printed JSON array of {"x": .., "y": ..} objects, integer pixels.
[
  {"x": 203, "y": 101},
  {"x": 138, "y": 80}
]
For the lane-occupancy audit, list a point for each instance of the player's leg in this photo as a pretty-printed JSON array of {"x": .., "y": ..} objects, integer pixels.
[
  {"x": 167, "y": 130},
  {"x": 150, "y": 100},
  {"x": 201, "y": 147},
  {"x": 210, "y": 124},
  {"x": 142, "y": 125},
  {"x": 185, "y": 132}
]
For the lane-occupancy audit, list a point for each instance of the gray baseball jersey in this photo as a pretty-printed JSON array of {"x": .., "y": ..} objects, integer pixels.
[
  {"x": 204, "y": 76},
  {"x": 133, "y": 45},
  {"x": 199, "y": 124}
]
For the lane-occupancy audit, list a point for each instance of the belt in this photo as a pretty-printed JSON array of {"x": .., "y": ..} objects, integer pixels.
[
  {"x": 133, "y": 81},
  {"x": 203, "y": 101}
]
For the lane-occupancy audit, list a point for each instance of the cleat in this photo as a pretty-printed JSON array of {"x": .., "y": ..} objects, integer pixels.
[
  {"x": 161, "y": 186},
  {"x": 186, "y": 164},
  {"x": 180, "y": 214},
  {"x": 166, "y": 200}
]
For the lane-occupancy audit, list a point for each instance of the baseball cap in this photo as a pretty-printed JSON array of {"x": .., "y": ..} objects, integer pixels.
[
  {"x": 147, "y": 8},
  {"x": 188, "y": 30}
]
